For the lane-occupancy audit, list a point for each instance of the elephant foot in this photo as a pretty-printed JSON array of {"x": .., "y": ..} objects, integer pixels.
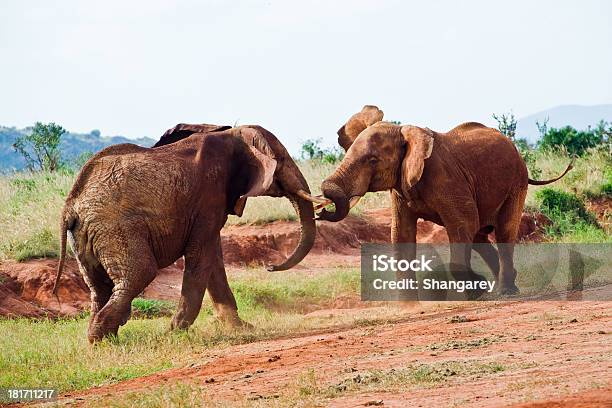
[
  {"x": 509, "y": 290},
  {"x": 227, "y": 315},
  {"x": 234, "y": 322},
  {"x": 94, "y": 338},
  {"x": 179, "y": 324},
  {"x": 126, "y": 317},
  {"x": 475, "y": 294},
  {"x": 470, "y": 276},
  {"x": 97, "y": 334}
]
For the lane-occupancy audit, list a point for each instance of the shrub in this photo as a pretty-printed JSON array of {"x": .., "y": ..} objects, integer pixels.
[
  {"x": 150, "y": 308},
  {"x": 606, "y": 189},
  {"x": 572, "y": 140},
  {"x": 506, "y": 124},
  {"x": 567, "y": 213}
]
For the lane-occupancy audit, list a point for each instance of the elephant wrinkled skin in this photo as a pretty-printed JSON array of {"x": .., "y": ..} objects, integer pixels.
[
  {"x": 134, "y": 210},
  {"x": 471, "y": 180}
]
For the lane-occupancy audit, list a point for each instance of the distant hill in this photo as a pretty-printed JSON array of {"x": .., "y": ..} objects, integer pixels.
[
  {"x": 72, "y": 145},
  {"x": 577, "y": 116}
]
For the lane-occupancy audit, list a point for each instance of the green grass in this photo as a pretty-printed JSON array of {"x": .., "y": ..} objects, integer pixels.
[
  {"x": 55, "y": 353},
  {"x": 30, "y": 204},
  {"x": 150, "y": 308},
  {"x": 588, "y": 177}
]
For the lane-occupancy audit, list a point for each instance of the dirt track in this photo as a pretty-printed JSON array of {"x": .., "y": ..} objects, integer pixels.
[{"x": 547, "y": 350}]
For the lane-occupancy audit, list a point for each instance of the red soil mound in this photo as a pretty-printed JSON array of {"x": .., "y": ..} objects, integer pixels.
[{"x": 25, "y": 288}]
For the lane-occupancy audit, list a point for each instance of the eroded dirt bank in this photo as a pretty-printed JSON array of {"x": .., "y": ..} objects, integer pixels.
[{"x": 497, "y": 354}]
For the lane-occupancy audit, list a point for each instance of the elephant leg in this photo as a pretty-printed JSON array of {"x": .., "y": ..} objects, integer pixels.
[
  {"x": 132, "y": 275},
  {"x": 403, "y": 221},
  {"x": 223, "y": 299},
  {"x": 221, "y": 294},
  {"x": 488, "y": 252},
  {"x": 403, "y": 231},
  {"x": 506, "y": 231},
  {"x": 462, "y": 226},
  {"x": 99, "y": 284},
  {"x": 199, "y": 265}
]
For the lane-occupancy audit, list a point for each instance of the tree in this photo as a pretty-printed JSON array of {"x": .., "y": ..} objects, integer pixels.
[
  {"x": 506, "y": 123},
  {"x": 40, "y": 148},
  {"x": 312, "y": 150},
  {"x": 542, "y": 127},
  {"x": 574, "y": 141}
]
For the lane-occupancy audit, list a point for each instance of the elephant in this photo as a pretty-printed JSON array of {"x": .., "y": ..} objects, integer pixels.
[
  {"x": 133, "y": 210},
  {"x": 471, "y": 180}
]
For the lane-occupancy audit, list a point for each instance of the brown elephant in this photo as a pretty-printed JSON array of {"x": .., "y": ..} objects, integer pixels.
[
  {"x": 134, "y": 210},
  {"x": 471, "y": 180}
]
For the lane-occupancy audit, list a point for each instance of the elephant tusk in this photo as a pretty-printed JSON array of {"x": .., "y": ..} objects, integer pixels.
[
  {"x": 317, "y": 200},
  {"x": 354, "y": 200},
  {"x": 322, "y": 205}
]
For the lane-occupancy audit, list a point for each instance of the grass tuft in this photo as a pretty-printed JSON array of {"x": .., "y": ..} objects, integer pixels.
[{"x": 150, "y": 308}]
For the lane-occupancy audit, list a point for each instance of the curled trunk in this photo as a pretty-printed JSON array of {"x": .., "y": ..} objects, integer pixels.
[
  {"x": 335, "y": 193},
  {"x": 305, "y": 212}
]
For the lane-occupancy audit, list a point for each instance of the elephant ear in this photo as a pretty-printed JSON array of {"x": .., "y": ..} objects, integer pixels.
[
  {"x": 253, "y": 137},
  {"x": 260, "y": 169},
  {"x": 419, "y": 145},
  {"x": 368, "y": 116},
  {"x": 184, "y": 130}
]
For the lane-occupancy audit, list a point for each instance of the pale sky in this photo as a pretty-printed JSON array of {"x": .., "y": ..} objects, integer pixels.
[{"x": 298, "y": 68}]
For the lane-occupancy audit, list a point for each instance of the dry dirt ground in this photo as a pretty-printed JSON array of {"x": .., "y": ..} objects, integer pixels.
[
  {"x": 552, "y": 354},
  {"x": 486, "y": 354}
]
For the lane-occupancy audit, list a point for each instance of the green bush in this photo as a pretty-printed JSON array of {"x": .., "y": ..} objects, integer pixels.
[
  {"x": 150, "y": 308},
  {"x": 575, "y": 141},
  {"x": 569, "y": 216},
  {"x": 606, "y": 189}
]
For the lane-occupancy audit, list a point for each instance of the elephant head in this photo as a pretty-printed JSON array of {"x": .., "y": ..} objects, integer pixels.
[
  {"x": 382, "y": 157},
  {"x": 272, "y": 173},
  {"x": 347, "y": 134}
]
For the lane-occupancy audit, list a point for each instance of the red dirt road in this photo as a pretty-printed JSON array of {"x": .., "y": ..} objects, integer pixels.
[{"x": 553, "y": 351}]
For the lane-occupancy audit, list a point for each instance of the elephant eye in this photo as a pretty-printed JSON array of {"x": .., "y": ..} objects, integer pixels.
[{"x": 373, "y": 160}]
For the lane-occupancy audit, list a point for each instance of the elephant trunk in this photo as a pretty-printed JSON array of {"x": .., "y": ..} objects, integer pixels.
[
  {"x": 305, "y": 213},
  {"x": 335, "y": 193}
]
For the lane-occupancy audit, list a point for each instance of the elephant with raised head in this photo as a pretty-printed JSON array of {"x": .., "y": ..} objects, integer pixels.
[
  {"x": 471, "y": 180},
  {"x": 134, "y": 210}
]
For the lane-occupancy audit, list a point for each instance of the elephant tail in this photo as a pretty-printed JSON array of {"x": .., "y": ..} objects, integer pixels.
[
  {"x": 544, "y": 182},
  {"x": 66, "y": 223}
]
